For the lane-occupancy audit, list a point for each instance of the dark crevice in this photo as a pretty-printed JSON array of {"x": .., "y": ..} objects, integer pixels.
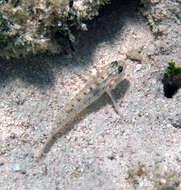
[
  {"x": 118, "y": 5},
  {"x": 170, "y": 90},
  {"x": 171, "y": 80},
  {"x": 171, "y": 85}
]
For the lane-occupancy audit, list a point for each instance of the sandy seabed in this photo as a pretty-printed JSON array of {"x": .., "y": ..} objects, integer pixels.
[{"x": 139, "y": 149}]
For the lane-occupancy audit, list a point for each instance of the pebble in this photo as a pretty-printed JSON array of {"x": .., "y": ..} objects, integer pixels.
[
  {"x": 16, "y": 167},
  {"x": 138, "y": 67},
  {"x": 134, "y": 55}
]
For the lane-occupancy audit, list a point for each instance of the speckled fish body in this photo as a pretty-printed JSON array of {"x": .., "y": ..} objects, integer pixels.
[{"x": 105, "y": 80}]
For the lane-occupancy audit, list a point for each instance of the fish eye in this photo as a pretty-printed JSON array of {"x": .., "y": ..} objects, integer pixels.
[
  {"x": 114, "y": 64},
  {"x": 120, "y": 69}
]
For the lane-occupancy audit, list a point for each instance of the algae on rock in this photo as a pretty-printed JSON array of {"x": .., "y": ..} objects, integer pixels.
[{"x": 31, "y": 27}]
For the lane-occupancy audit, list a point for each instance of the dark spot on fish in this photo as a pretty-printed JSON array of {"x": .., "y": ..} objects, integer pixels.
[
  {"x": 114, "y": 64},
  {"x": 120, "y": 69}
]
